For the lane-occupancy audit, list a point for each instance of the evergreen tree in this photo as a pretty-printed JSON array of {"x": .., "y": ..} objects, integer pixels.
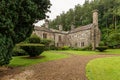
[{"x": 16, "y": 19}]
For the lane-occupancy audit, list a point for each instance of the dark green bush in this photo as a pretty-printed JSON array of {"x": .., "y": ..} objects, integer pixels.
[
  {"x": 17, "y": 51},
  {"x": 6, "y": 45},
  {"x": 33, "y": 50},
  {"x": 53, "y": 47},
  {"x": 34, "y": 39},
  {"x": 45, "y": 41},
  {"x": 101, "y": 48}
]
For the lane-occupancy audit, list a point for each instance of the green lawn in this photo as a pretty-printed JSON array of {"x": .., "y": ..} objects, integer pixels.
[
  {"x": 46, "y": 56},
  {"x": 104, "y": 69},
  {"x": 109, "y": 51},
  {"x": 53, "y": 55}
]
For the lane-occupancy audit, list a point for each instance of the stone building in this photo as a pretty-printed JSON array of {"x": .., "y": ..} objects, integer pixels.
[{"x": 79, "y": 37}]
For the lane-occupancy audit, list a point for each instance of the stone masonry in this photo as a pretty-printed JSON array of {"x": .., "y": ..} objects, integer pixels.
[{"x": 79, "y": 37}]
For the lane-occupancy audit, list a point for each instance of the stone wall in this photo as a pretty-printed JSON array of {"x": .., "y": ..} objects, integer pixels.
[{"x": 79, "y": 37}]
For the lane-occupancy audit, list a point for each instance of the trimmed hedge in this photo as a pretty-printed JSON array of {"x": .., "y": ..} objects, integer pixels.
[
  {"x": 17, "y": 51},
  {"x": 33, "y": 50},
  {"x": 34, "y": 39},
  {"x": 101, "y": 48}
]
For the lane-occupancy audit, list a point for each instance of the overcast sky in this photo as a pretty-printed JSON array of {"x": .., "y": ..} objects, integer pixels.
[{"x": 58, "y": 6}]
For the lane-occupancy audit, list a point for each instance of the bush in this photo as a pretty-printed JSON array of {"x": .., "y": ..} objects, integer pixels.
[
  {"x": 53, "y": 47},
  {"x": 34, "y": 39},
  {"x": 77, "y": 49},
  {"x": 101, "y": 43},
  {"x": 65, "y": 48},
  {"x": 45, "y": 41},
  {"x": 33, "y": 50},
  {"x": 101, "y": 48},
  {"x": 87, "y": 48},
  {"x": 17, "y": 51}
]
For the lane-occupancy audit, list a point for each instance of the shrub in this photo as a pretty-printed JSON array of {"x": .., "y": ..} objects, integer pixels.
[
  {"x": 33, "y": 50},
  {"x": 17, "y": 51},
  {"x": 101, "y": 48},
  {"x": 87, "y": 48},
  {"x": 45, "y": 41},
  {"x": 65, "y": 48},
  {"x": 34, "y": 39},
  {"x": 53, "y": 47},
  {"x": 77, "y": 49},
  {"x": 101, "y": 43}
]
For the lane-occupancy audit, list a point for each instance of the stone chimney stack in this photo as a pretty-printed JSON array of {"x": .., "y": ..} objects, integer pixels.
[
  {"x": 60, "y": 27},
  {"x": 95, "y": 17},
  {"x": 46, "y": 23}
]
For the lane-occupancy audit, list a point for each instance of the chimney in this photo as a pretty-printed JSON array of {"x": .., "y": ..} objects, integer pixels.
[
  {"x": 60, "y": 27},
  {"x": 46, "y": 23},
  {"x": 95, "y": 17}
]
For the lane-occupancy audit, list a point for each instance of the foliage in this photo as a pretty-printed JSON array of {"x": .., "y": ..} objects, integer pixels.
[
  {"x": 109, "y": 18},
  {"x": 6, "y": 45},
  {"x": 53, "y": 47},
  {"x": 101, "y": 48},
  {"x": 65, "y": 48},
  {"x": 16, "y": 23},
  {"x": 113, "y": 39},
  {"x": 108, "y": 69},
  {"x": 33, "y": 50},
  {"x": 101, "y": 43},
  {"x": 87, "y": 48},
  {"x": 17, "y": 51},
  {"x": 45, "y": 42},
  {"x": 34, "y": 39},
  {"x": 46, "y": 56}
]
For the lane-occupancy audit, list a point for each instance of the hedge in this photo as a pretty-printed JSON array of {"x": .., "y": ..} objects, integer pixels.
[{"x": 33, "y": 50}]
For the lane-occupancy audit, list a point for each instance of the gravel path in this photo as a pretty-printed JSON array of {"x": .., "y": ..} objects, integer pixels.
[{"x": 72, "y": 68}]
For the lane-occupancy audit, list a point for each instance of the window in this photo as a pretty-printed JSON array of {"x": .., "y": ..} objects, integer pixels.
[
  {"x": 44, "y": 35},
  {"x": 60, "y": 38},
  {"x": 82, "y": 44}
]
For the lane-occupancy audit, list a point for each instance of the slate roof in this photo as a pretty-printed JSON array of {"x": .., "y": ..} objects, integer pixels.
[
  {"x": 49, "y": 30},
  {"x": 81, "y": 28}
]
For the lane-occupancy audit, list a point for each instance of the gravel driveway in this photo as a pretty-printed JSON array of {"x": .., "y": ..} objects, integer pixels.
[{"x": 72, "y": 68}]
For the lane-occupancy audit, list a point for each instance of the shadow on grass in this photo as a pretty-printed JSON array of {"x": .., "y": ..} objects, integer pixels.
[{"x": 28, "y": 57}]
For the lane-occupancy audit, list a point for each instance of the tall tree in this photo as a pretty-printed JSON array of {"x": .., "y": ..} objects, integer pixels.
[{"x": 16, "y": 19}]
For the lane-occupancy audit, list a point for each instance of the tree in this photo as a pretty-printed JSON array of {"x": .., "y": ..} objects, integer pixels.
[{"x": 16, "y": 19}]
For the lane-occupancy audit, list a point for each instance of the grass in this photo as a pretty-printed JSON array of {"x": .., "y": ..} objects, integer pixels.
[
  {"x": 108, "y": 51},
  {"x": 45, "y": 56},
  {"x": 104, "y": 69},
  {"x": 51, "y": 55}
]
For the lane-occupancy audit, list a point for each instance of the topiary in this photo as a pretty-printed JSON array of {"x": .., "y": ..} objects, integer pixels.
[
  {"x": 34, "y": 39},
  {"x": 17, "y": 51},
  {"x": 33, "y": 50},
  {"x": 101, "y": 48},
  {"x": 45, "y": 41}
]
